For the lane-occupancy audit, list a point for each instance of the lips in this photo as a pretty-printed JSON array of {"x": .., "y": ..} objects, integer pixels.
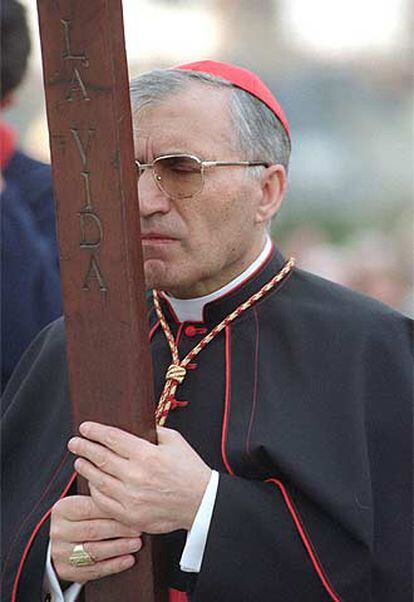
[{"x": 156, "y": 235}]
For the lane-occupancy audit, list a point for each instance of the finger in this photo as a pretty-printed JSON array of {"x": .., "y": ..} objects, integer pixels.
[
  {"x": 119, "y": 441},
  {"x": 103, "y": 550},
  {"x": 78, "y": 508},
  {"x": 104, "y": 458},
  {"x": 105, "y": 483},
  {"x": 91, "y": 530},
  {"x": 113, "y": 566},
  {"x": 108, "y": 505}
]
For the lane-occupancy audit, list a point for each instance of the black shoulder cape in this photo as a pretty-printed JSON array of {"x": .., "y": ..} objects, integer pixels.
[{"x": 304, "y": 406}]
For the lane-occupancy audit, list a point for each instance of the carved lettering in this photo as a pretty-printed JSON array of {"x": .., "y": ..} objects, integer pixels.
[
  {"x": 76, "y": 85},
  {"x": 87, "y": 188},
  {"x": 91, "y": 230},
  {"x": 68, "y": 55},
  {"x": 81, "y": 146},
  {"x": 94, "y": 273}
]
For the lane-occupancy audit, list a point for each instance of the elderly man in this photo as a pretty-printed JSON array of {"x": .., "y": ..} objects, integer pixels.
[{"x": 282, "y": 471}]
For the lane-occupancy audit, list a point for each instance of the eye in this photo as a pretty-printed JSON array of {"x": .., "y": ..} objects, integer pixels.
[{"x": 184, "y": 165}]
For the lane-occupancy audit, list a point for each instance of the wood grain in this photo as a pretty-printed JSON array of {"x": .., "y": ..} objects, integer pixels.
[{"x": 89, "y": 117}]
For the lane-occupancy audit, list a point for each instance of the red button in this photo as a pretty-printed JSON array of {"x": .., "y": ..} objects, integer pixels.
[{"x": 190, "y": 331}]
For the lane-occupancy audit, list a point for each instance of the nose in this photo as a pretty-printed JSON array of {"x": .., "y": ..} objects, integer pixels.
[{"x": 151, "y": 198}]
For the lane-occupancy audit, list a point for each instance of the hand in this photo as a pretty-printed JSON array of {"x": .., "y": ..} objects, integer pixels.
[
  {"x": 152, "y": 488},
  {"x": 77, "y": 519}
]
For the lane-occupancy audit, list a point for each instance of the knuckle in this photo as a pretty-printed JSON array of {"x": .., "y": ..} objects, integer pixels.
[
  {"x": 133, "y": 497},
  {"x": 63, "y": 573},
  {"x": 87, "y": 509},
  {"x": 55, "y": 531},
  {"x": 60, "y": 561},
  {"x": 174, "y": 434},
  {"x": 150, "y": 457},
  {"x": 101, "y": 459},
  {"x": 80, "y": 446},
  {"x": 103, "y": 484},
  {"x": 89, "y": 531},
  {"x": 96, "y": 572},
  {"x": 121, "y": 564},
  {"x": 111, "y": 436},
  {"x": 80, "y": 508},
  {"x": 92, "y": 548},
  {"x": 70, "y": 507},
  {"x": 60, "y": 507},
  {"x": 54, "y": 553}
]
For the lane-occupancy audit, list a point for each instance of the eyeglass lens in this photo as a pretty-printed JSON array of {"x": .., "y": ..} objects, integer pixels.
[{"x": 179, "y": 177}]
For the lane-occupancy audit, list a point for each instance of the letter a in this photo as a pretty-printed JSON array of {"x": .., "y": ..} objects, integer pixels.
[{"x": 94, "y": 273}]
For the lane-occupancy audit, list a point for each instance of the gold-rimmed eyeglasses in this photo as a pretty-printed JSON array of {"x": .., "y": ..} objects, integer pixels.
[{"x": 181, "y": 176}]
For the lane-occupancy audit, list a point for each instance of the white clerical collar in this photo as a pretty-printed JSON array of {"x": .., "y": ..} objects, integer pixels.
[{"x": 191, "y": 310}]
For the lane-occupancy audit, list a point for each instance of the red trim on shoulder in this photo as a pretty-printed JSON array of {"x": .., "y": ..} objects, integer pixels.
[
  {"x": 306, "y": 541},
  {"x": 32, "y": 538},
  {"x": 176, "y": 596},
  {"x": 179, "y": 333},
  {"x": 153, "y": 329},
  {"x": 254, "y": 399},
  {"x": 227, "y": 400}
]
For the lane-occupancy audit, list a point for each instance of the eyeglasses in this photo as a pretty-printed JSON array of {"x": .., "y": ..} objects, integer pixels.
[{"x": 182, "y": 176}]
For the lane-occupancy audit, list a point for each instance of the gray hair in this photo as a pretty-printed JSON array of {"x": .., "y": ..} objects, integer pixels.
[{"x": 259, "y": 133}]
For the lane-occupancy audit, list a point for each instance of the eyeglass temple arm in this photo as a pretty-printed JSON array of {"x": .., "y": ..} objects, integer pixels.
[
  {"x": 142, "y": 166},
  {"x": 229, "y": 163}
]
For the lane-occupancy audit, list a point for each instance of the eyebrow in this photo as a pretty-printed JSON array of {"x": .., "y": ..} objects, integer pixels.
[{"x": 180, "y": 152}]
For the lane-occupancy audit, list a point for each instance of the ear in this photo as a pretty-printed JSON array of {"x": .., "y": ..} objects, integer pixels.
[{"x": 273, "y": 188}]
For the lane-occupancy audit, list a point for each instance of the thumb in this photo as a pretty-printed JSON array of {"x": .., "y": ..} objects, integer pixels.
[{"x": 167, "y": 436}]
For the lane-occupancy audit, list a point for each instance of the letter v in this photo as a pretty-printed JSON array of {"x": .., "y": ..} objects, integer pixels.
[{"x": 82, "y": 148}]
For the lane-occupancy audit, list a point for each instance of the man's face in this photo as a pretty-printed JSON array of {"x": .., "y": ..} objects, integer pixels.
[{"x": 194, "y": 246}]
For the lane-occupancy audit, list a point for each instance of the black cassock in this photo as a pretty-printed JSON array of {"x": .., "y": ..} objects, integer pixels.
[{"x": 304, "y": 406}]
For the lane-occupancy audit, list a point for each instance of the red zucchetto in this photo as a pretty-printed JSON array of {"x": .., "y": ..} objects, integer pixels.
[{"x": 241, "y": 78}]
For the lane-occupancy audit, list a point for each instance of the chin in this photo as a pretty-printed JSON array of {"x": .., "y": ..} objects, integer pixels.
[
  {"x": 159, "y": 274},
  {"x": 166, "y": 276}
]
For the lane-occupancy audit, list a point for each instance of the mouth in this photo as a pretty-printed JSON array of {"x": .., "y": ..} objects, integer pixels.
[{"x": 156, "y": 238}]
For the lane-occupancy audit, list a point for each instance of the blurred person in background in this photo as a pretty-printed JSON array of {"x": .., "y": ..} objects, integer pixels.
[
  {"x": 376, "y": 269},
  {"x": 30, "y": 285},
  {"x": 369, "y": 262}
]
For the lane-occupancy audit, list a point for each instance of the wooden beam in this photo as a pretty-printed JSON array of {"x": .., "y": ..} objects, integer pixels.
[{"x": 89, "y": 116}]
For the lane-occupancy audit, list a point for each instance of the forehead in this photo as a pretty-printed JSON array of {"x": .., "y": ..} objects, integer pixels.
[{"x": 195, "y": 120}]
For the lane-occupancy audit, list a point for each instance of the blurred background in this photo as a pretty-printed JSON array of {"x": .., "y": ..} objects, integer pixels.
[{"x": 343, "y": 71}]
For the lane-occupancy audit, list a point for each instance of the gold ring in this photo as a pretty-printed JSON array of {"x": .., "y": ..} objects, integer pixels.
[{"x": 80, "y": 557}]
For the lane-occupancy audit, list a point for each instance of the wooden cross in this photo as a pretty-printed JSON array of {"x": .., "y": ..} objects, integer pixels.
[{"x": 90, "y": 129}]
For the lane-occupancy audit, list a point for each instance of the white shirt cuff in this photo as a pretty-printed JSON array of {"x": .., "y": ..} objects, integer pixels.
[
  {"x": 193, "y": 552},
  {"x": 51, "y": 584},
  {"x": 190, "y": 561}
]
